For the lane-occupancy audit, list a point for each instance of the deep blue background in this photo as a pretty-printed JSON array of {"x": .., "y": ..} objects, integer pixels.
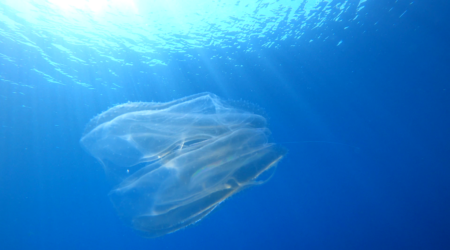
[{"x": 380, "y": 102}]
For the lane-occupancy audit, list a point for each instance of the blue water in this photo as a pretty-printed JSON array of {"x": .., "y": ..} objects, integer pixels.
[{"x": 356, "y": 91}]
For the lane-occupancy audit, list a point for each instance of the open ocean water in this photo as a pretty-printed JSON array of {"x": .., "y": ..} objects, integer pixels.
[{"x": 357, "y": 92}]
